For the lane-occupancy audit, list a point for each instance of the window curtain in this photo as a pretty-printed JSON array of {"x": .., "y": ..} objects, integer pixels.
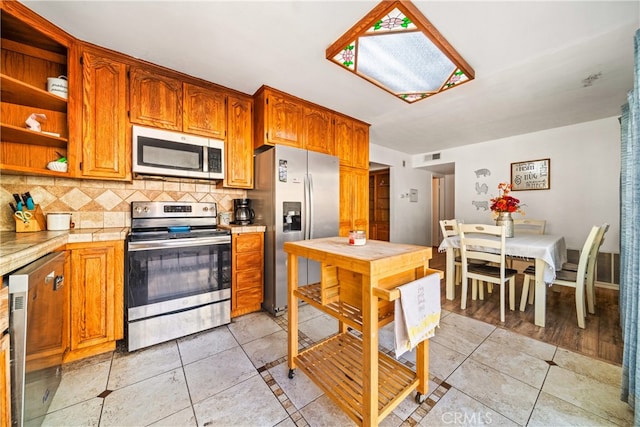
[{"x": 630, "y": 239}]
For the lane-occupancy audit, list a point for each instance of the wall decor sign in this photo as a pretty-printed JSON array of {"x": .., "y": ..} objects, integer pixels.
[{"x": 531, "y": 175}]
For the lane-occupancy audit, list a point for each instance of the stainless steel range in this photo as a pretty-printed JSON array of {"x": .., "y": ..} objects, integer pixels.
[{"x": 177, "y": 273}]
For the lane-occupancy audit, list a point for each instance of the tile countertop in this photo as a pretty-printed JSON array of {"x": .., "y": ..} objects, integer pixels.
[
  {"x": 19, "y": 249},
  {"x": 253, "y": 228}
]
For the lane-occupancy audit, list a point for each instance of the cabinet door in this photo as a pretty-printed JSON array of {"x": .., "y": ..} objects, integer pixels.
[
  {"x": 352, "y": 142},
  {"x": 155, "y": 100},
  {"x": 354, "y": 200},
  {"x": 96, "y": 294},
  {"x": 360, "y": 146},
  {"x": 106, "y": 139},
  {"x": 317, "y": 131},
  {"x": 248, "y": 278},
  {"x": 284, "y": 120},
  {"x": 239, "y": 146},
  {"x": 204, "y": 111},
  {"x": 5, "y": 381}
]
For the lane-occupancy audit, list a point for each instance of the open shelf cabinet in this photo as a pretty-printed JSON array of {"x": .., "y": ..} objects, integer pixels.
[{"x": 32, "y": 50}]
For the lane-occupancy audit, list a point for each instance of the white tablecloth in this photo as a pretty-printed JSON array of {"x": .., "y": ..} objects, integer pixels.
[{"x": 548, "y": 247}]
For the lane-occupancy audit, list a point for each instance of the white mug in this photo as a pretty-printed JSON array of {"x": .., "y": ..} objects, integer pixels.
[{"x": 58, "y": 86}]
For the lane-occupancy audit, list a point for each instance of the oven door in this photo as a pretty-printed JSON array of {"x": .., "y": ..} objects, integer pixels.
[{"x": 164, "y": 275}]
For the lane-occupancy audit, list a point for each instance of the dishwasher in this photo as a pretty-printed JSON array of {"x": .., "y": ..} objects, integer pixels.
[{"x": 38, "y": 340}]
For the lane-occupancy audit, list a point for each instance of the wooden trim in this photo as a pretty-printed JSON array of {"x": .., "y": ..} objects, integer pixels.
[{"x": 32, "y": 19}]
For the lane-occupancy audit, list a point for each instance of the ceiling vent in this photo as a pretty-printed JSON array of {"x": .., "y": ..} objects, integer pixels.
[{"x": 429, "y": 157}]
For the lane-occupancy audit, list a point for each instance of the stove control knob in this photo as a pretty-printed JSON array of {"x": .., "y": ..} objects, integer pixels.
[
  {"x": 146, "y": 209},
  {"x": 206, "y": 209},
  {"x": 138, "y": 209}
]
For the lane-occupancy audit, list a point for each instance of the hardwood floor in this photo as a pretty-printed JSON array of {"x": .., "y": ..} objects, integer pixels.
[{"x": 601, "y": 338}]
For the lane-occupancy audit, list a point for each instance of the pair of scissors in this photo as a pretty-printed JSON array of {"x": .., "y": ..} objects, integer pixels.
[{"x": 24, "y": 216}]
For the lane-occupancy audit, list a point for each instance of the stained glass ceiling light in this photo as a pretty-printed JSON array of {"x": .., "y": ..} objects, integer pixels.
[{"x": 396, "y": 48}]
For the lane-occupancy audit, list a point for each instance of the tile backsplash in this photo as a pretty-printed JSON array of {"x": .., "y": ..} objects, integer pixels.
[{"x": 102, "y": 204}]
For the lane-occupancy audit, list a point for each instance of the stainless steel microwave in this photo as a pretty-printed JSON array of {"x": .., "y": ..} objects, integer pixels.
[{"x": 167, "y": 153}]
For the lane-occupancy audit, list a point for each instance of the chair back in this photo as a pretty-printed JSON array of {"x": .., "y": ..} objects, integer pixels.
[
  {"x": 483, "y": 242},
  {"x": 595, "y": 248},
  {"x": 449, "y": 227},
  {"x": 529, "y": 226},
  {"x": 587, "y": 254}
]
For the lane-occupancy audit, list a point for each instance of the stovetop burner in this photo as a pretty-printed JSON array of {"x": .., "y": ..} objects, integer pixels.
[{"x": 173, "y": 220}]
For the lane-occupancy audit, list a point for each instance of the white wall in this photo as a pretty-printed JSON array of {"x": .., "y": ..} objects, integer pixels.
[
  {"x": 410, "y": 222},
  {"x": 585, "y": 172}
]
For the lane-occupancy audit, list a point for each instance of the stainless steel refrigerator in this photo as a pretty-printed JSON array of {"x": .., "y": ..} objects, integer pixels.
[{"x": 297, "y": 197}]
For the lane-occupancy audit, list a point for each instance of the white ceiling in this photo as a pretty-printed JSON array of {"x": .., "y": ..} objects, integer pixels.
[{"x": 531, "y": 58}]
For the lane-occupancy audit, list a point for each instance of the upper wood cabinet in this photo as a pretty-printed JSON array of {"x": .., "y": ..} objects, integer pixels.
[
  {"x": 317, "y": 130},
  {"x": 204, "y": 111},
  {"x": 278, "y": 119},
  {"x": 352, "y": 142},
  {"x": 155, "y": 99},
  {"x": 239, "y": 144},
  {"x": 106, "y": 134},
  {"x": 354, "y": 200},
  {"x": 32, "y": 50}
]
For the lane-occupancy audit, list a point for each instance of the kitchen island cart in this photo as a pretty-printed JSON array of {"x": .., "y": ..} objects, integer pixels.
[{"x": 357, "y": 287}]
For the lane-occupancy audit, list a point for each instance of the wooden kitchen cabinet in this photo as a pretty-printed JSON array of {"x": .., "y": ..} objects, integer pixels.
[
  {"x": 352, "y": 142},
  {"x": 204, "y": 111},
  {"x": 317, "y": 130},
  {"x": 97, "y": 297},
  {"x": 247, "y": 283},
  {"x": 106, "y": 134},
  {"x": 32, "y": 50},
  {"x": 155, "y": 99},
  {"x": 354, "y": 200},
  {"x": 278, "y": 119},
  {"x": 239, "y": 144}
]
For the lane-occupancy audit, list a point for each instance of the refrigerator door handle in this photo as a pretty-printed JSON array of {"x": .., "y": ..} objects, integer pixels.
[{"x": 310, "y": 211}]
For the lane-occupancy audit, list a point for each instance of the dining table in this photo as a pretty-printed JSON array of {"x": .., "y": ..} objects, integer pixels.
[{"x": 548, "y": 250}]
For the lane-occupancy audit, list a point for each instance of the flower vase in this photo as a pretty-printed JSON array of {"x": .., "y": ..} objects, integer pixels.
[{"x": 504, "y": 218}]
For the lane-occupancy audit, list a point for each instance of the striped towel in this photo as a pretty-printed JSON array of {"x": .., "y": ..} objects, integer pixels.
[{"x": 417, "y": 312}]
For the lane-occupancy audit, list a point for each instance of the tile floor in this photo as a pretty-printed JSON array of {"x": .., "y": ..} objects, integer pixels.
[{"x": 236, "y": 375}]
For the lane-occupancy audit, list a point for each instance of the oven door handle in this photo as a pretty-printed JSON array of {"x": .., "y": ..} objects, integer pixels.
[{"x": 149, "y": 245}]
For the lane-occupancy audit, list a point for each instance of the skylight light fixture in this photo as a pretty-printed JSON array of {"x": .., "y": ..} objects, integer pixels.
[{"x": 396, "y": 48}]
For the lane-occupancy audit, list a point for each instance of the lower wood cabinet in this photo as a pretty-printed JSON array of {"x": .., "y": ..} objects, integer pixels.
[
  {"x": 247, "y": 283},
  {"x": 97, "y": 297}
]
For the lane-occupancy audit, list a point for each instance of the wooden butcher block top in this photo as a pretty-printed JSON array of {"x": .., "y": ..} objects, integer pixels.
[{"x": 375, "y": 258}]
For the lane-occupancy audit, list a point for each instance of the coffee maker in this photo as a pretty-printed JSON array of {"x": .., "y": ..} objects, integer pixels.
[{"x": 242, "y": 212}]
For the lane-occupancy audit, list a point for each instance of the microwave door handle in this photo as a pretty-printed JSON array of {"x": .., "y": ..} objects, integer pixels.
[{"x": 205, "y": 158}]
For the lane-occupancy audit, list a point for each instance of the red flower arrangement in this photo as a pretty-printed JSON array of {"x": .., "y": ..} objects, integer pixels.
[{"x": 504, "y": 202}]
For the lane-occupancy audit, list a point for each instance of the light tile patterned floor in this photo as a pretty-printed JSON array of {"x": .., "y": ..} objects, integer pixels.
[{"x": 236, "y": 375}]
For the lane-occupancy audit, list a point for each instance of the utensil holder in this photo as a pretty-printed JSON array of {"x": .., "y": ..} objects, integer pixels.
[{"x": 36, "y": 223}]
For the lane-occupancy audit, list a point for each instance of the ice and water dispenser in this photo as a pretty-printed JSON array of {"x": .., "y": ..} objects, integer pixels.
[{"x": 291, "y": 216}]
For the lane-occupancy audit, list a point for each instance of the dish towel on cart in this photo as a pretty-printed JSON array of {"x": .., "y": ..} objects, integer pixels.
[{"x": 417, "y": 312}]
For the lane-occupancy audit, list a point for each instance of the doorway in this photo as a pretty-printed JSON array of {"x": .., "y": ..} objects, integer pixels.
[
  {"x": 379, "y": 190},
  {"x": 442, "y": 204}
]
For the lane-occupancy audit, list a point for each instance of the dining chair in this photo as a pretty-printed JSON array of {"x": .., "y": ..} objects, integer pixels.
[
  {"x": 449, "y": 228},
  {"x": 591, "y": 272},
  {"x": 526, "y": 226},
  {"x": 573, "y": 279},
  {"x": 485, "y": 243},
  {"x": 529, "y": 226}
]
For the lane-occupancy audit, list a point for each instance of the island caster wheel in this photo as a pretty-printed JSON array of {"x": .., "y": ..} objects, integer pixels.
[
  {"x": 292, "y": 373},
  {"x": 420, "y": 398}
]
